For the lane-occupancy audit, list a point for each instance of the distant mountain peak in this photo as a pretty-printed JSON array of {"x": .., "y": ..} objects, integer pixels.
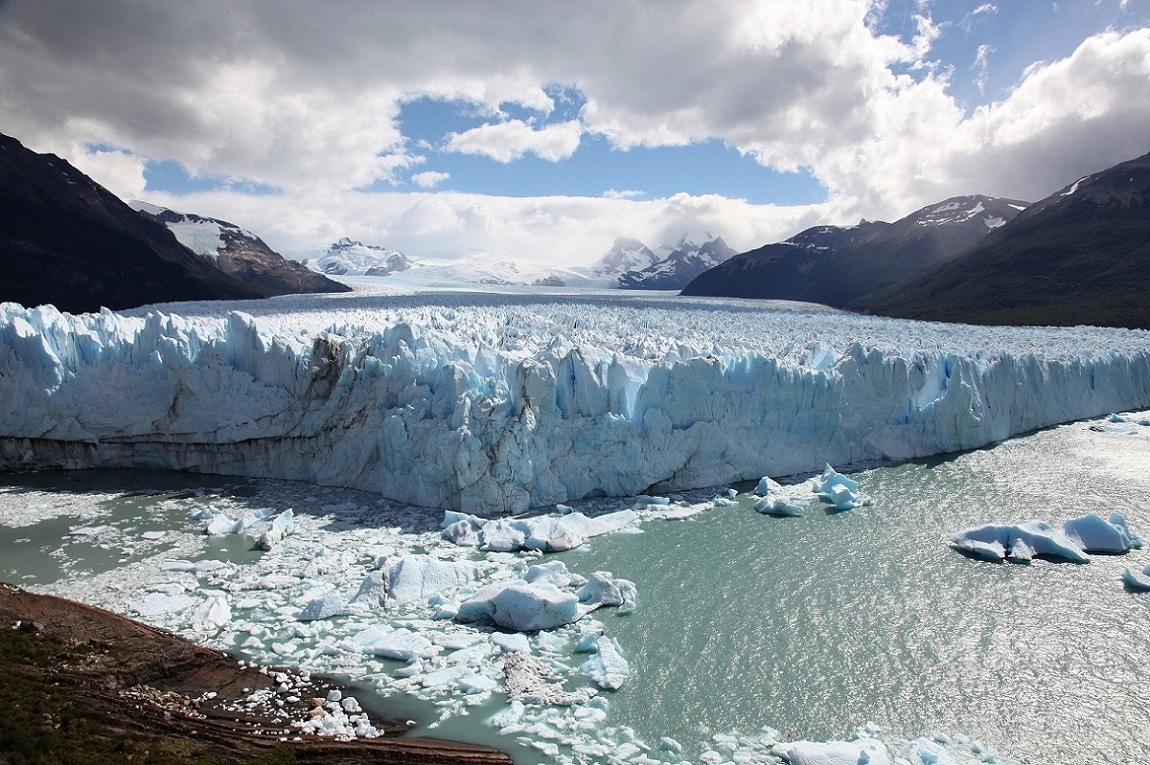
[
  {"x": 671, "y": 267},
  {"x": 348, "y": 257}
]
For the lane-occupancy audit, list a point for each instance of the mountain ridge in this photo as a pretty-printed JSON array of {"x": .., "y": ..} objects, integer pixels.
[
  {"x": 238, "y": 252},
  {"x": 1079, "y": 256},
  {"x": 835, "y": 265}
]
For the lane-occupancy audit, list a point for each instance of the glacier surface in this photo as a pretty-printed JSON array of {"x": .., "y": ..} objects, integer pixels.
[{"x": 494, "y": 404}]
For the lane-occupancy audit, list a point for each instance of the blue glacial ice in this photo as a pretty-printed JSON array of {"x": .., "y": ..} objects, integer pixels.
[
  {"x": 1138, "y": 581},
  {"x": 1021, "y": 542},
  {"x": 495, "y": 404}
]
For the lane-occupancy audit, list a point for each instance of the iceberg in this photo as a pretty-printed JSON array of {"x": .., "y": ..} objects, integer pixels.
[
  {"x": 838, "y": 490},
  {"x": 607, "y": 667},
  {"x": 1138, "y": 581},
  {"x": 416, "y": 578},
  {"x": 1020, "y": 542},
  {"x": 545, "y": 599},
  {"x": 555, "y": 532},
  {"x": 864, "y": 752},
  {"x": 494, "y": 405},
  {"x": 521, "y": 606},
  {"x": 282, "y": 525},
  {"x": 1098, "y": 535}
]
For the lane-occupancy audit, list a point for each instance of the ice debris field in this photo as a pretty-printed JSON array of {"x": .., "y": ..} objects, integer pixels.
[
  {"x": 459, "y": 612},
  {"x": 496, "y": 404}
]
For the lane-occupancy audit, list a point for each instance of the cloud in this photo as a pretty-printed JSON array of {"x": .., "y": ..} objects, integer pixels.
[
  {"x": 623, "y": 194},
  {"x": 306, "y": 99},
  {"x": 986, "y": 9},
  {"x": 981, "y": 66},
  {"x": 429, "y": 179},
  {"x": 510, "y": 140}
]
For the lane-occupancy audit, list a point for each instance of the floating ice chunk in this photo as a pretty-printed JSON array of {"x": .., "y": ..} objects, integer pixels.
[
  {"x": 549, "y": 533},
  {"x": 464, "y": 533},
  {"x": 1137, "y": 581},
  {"x": 556, "y": 572},
  {"x": 668, "y": 744},
  {"x": 1039, "y": 537},
  {"x": 869, "y": 752},
  {"x": 510, "y": 642},
  {"x": 502, "y": 536},
  {"x": 602, "y": 589},
  {"x": 213, "y": 614},
  {"x": 477, "y": 684},
  {"x": 155, "y": 603},
  {"x": 976, "y": 548},
  {"x": 324, "y": 607},
  {"x": 1097, "y": 535},
  {"x": 923, "y": 751},
  {"x": 441, "y": 677},
  {"x": 415, "y": 578},
  {"x": 401, "y": 644},
  {"x": 840, "y": 491},
  {"x": 282, "y": 525},
  {"x": 221, "y": 525},
  {"x": 607, "y": 668},
  {"x": 521, "y": 606},
  {"x": 769, "y": 505}
]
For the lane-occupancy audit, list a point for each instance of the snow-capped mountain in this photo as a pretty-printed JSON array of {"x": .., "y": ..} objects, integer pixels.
[
  {"x": 1079, "y": 256},
  {"x": 632, "y": 265},
  {"x": 237, "y": 252},
  {"x": 625, "y": 255},
  {"x": 353, "y": 258},
  {"x": 65, "y": 240},
  {"x": 835, "y": 265}
]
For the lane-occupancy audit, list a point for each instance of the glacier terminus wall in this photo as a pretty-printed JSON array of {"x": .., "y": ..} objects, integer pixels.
[{"x": 494, "y": 404}]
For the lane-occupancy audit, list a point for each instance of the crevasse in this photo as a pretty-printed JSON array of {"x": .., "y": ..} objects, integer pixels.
[{"x": 495, "y": 406}]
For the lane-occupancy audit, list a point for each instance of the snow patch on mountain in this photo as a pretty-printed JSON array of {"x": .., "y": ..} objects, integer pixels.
[{"x": 206, "y": 237}]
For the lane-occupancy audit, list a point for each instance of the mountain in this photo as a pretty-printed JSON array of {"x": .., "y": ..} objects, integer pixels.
[
  {"x": 348, "y": 258},
  {"x": 239, "y": 253},
  {"x": 625, "y": 255},
  {"x": 632, "y": 265},
  {"x": 68, "y": 241},
  {"x": 1080, "y": 256},
  {"x": 836, "y": 265}
]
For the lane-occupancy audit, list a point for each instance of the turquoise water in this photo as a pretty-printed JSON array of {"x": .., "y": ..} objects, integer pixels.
[{"x": 817, "y": 624}]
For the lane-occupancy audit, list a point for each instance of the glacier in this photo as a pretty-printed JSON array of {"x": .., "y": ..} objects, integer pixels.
[{"x": 493, "y": 404}]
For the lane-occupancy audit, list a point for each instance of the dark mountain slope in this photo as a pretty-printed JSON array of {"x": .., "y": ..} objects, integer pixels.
[
  {"x": 835, "y": 266},
  {"x": 66, "y": 240},
  {"x": 241, "y": 254},
  {"x": 1080, "y": 256}
]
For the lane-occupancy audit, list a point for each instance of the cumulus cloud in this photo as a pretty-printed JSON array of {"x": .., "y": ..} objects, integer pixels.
[
  {"x": 307, "y": 100},
  {"x": 429, "y": 179},
  {"x": 510, "y": 140}
]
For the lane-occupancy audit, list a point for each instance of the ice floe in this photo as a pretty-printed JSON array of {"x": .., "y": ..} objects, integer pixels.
[{"x": 1023, "y": 541}]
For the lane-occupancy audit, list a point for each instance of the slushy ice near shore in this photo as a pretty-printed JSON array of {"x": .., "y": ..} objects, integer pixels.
[{"x": 491, "y": 404}]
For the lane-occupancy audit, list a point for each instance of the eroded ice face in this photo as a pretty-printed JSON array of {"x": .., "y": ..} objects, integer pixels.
[{"x": 494, "y": 404}]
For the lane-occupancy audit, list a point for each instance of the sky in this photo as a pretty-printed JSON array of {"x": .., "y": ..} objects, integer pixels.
[{"x": 539, "y": 131}]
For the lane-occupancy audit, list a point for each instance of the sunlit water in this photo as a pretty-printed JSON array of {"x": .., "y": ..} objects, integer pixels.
[{"x": 811, "y": 625}]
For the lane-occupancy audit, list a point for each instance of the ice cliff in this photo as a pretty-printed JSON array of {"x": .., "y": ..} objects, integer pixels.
[{"x": 494, "y": 404}]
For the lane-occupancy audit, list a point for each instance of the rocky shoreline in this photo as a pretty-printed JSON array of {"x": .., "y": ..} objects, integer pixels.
[{"x": 79, "y": 676}]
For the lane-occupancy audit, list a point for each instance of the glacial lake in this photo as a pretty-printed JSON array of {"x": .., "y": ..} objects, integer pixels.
[{"x": 813, "y": 626}]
